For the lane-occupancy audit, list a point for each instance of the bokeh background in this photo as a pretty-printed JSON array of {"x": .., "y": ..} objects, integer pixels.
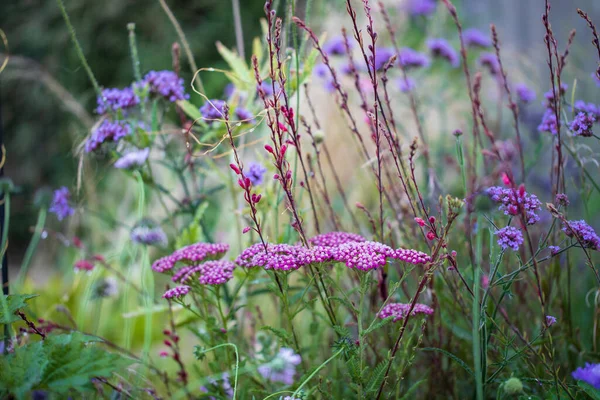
[{"x": 48, "y": 102}]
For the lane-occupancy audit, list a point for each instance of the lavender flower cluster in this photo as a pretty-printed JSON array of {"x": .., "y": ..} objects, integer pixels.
[
  {"x": 60, "y": 204},
  {"x": 509, "y": 237},
  {"x": 400, "y": 310},
  {"x": 116, "y": 99},
  {"x": 166, "y": 84},
  {"x": 108, "y": 131},
  {"x": 583, "y": 232},
  {"x": 513, "y": 200}
]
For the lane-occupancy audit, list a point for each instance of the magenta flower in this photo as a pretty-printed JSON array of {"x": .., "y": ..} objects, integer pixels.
[
  {"x": 60, "y": 204},
  {"x": 283, "y": 257},
  {"x": 586, "y": 234},
  {"x": 371, "y": 255},
  {"x": 176, "y": 292},
  {"x": 590, "y": 374},
  {"x": 166, "y": 84},
  {"x": 116, "y": 99},
  {"x": 216, "y": 272},
  {"x": 509, "y": 237},
  {"x": 200, "y": 251},
  {"x": 282, "y": 368},
  {"x": 400, "y": 311},
  {"x": 132, "y": 159},
  {"x": 334, "y": 239}
]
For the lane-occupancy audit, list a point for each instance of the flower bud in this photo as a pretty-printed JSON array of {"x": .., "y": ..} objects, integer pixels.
[{"x": 235, "y": 168}]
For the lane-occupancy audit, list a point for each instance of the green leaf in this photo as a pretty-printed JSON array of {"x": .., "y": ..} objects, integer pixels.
[
  {"x": 453, "y": 357},
  {"x": 236, "y": 63},
  {"x": 22, "y": 370},
  {"x": 377, "y": 325},
  {"x": 410, "y": 392},
  {"x": 190, "y": 110},
  {"x": 589, "y": 390},
  {"x": 10, "y": 304}
]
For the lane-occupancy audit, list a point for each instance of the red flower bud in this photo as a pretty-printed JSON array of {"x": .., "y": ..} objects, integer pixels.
[
  {"x": 235, "y": 168},
  {"x": 432, "y": 220},
  {"x": 282, "y": 127},
  {"x": 276, "y": 176},
  {"x": 269, "y": 148},
  {"x": 167, "y": 343},
  {"x": 430, "y": 235},
  {"x": 241, "y": 183},
  {"x": 283, "y": 150},
  {"x": 246, "y": 229},
  {"x": 420, "y": 221},
  {"x": 521, "y": 190},
  {"x": 505, "y": 179}
]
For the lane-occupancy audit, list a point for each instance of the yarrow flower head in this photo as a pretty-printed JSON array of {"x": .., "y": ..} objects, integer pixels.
[
  {"x": 441, "y": 48},
  {"x": 400, "y": 310},
  {"x": 116, "y": 99},
  {"x": 406, "y": 85},
  {"x": 410, "y": 58},
  {"x": 282, "y": 368},
  {"x": 283, "y": 257},
  {"x": 255, "y": 173},
  {"x": 216, "y": 272},
  {"x": 490, "y": 61},
  {"x": 525, "y": 94},
  {"x": 176, "y": 292},
  {"x": 83, "y": 265},
  {"x": 370, "y": 255},
  {"x": 582, "y": 124},
  {"x": 148, "y": 233},
  {"x": 213, "y": 110},
  {"x": 166, "y": 84},
  {"x": 548, "y": 123},
  {"x": 194, "y": 253},
  {"x": 421, "y": 7},
  {"x": 108, "y": 131},
  {"x": 133, "y": 159},
  {"x": 590, "y": 374},
  {"x": 335, "y": 239},
  {"x": 60, "y": 204},
  {"x": 509, "y": 237},
  {"x": 476, "y": 38},
  {"x": 583, "y": 232},
  {"x": 511, "y": 200}
]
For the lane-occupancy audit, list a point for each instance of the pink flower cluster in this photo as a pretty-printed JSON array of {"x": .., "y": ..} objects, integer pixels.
[
  {"x": 191, "y": 254},
  {"x": 400, "y": 310},
  {"x": 216, "y": 272},
  {"x": 178, "y": 291},
  {"x": 347, "y": 248},
  {"x": 511, "y": 201}
]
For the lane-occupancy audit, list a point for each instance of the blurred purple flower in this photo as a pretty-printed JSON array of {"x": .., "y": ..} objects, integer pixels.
[
  {"x": 282, "y": 368},
  {"x": 229, "y": 90},
  {"x": 596, "y": 79},
  {"x": 441, "y": 48},
  {"x": 509, "y": 237},
  {"x": 589, "y": 108},
  {"x": 476, "y": 38},
  {"x": 400, "y": 310},
  {"x": 410, "y": 58},
  {"x": 244, "y": 115},
  {"x": 116, "y": 99},
  {"x": 149, "y": 235},
  {"x": 590, "y": 374},
  {"x": 321, "y": 70},
  {"x": 548, "y": 123},
  {"x": 525, "y": 94},
  {"x": 213, "y": 110},
  {"x": 166, "y": 84},
  {"x": 406, "y": 85},
  {"x": 550, "y": 320},
  {"x": 135, "y": 158},
  {"x": 382, "y": 56},
  {"x": 549, "y": 95},
  {"x": 107, "y": 131},
  {"x": 421, "y": 7},
  {"x": 490, "y": 61},
  {"x": 255, "y": 173},
  {"x": 582, "y": 124},
  {"x": 60, "y": 204},
  {"x": 336, "y": 46},
  {"x": 554, "y": 250}
]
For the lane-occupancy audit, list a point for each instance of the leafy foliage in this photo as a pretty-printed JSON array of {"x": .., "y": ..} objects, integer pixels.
[{"x": 10, "y": 304}]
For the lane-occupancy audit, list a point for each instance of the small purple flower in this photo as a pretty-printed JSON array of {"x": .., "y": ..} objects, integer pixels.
[
  {"x": 406, "y": 85},
  {"x": 267, "y": 87},
  {"x": 590, "y": 108},
  {"x": 335, "y": 46},
  {"x": 282, "y": 368},
  {"x": 148, "y": 233},
  {"x": 229, "y": 90},
  {"x": 550, "y": 320},
  {"x": 554, "y": 250},
  {"x": 382, "y": 56},
  {"x": 582, "y": 125},
  {"x": 213, "y": 110},
  {"x": 421, "y": 7},
  {"x": 108, "y": 131},
  {"x": 441, "y": 48},
  {"x": 244, "y": 115},
  {"x": 490, "y": 61},
  {"x": 509, "y": 237},
  {"x": 525, "y": 94},
  {"x": 116, "y": 99},
  {"x": 60, "y": 204},
  {"x": 549, "y": 95},
  {"x": 255, "y": 173},
  {"x": 582, "y": 231},
  {"x": 166, "y": 84},
  {"x": 562, "y": 200},
  {"x": 511, "y": 201},
  {"x": 590, "y": 374},
  {"x": 548, "y": 123},
  {"x": 132, "y": 159},
  {"x": 400, "y": 311},
  {"x": 176, "y": 292},
  {"x": 476, "y": 38},
  {"x": 410, "y": 58},
  {"x": 216, "y": 272},
  {"x": 321, "y": 70}
]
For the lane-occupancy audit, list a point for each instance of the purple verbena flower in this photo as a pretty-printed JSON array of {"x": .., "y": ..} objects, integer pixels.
[
  {"x": 282, "y": 368},
  {"x": 490, "y": 61},
  {"x": 255, "y": 173},
  {"x": 176, "y": 292},
  {"x": 509, "y": 237},
  {"x": 229, "y": 90},
  {"x": 562, "y": 200},
  {"x": 549, "y": 95},
  {"x": 148, "y": 233},
  {"x": 400, "y": 310},
  {"x": 166, "y": 84},
  {"x": 410, "y": 58},
  {"x": 582, "y": 124},
  {"x": 335, "y": 46},
  {"x": 590, "y": 374},
  {"x": 60, "y": 204},
  {"x": 108, "y": 131},
  {"x": 213, "y": 110},
  {"x": 589, "y": 108},
  {"x": 406, "y": 85},
  {"x": 441, "y": 48},
  {"x": 382, "y": 56},
  {"x": 421, "y": 7},
  {"x": 525, "y": 94},
  {"x": 511, "y": 200},
  {"x": 583, "y": 232},
  {"x": 116, "y": 99},
  {"x": 244, "y": 115},
  {"x": 476, "y": 38},
  {"x": 550, "y": 320},
  {"x": 554, "y": 250},
  {"x": 132, "y": 159},
  {"x": 548, "y": 123}
]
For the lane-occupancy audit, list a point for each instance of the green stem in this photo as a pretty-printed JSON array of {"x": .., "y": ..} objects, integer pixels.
[
  {"x": 35, "y": 239},
  {"x": 315, "y": 371}
]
